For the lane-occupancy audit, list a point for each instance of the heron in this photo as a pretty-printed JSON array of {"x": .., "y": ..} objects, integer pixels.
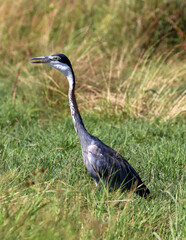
[{"x": 104, "y": 164}]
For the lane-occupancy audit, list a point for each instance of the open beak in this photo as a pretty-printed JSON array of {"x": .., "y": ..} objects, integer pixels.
[{"x": 45, "y": 59}]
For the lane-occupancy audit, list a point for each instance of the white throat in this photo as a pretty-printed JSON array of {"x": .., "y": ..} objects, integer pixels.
[{"x": 65, "y": 69}]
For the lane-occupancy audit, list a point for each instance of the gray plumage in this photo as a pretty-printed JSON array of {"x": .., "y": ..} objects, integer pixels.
[{"x": 102, "y": 162}]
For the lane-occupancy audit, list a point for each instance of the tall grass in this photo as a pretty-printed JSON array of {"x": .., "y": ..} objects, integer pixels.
[{"x": 127, "y": 55}]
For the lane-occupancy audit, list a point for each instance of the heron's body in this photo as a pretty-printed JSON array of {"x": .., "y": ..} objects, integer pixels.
[{"x": 102, "y": 162}]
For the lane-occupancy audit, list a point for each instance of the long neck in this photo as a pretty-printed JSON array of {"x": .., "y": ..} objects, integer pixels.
[{"x": 76, "y": 117}]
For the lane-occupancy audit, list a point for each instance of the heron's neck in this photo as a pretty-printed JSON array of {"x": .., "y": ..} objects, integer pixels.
[{"x": 76, "y": 117}]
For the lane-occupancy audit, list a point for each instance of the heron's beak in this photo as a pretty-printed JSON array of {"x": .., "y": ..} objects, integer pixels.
[{"x": 45, "y": 59}]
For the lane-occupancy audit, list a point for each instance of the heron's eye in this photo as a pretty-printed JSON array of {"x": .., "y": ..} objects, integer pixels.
[{"x": 56, "y": 58}]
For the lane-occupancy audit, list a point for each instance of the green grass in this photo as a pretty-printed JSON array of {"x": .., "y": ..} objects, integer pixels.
[{"x": 46, "y": 192}]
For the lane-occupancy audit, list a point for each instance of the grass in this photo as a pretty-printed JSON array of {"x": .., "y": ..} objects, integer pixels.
[
  {"x": 128, "y": 57},
  {"x": 46, "y": 192}
]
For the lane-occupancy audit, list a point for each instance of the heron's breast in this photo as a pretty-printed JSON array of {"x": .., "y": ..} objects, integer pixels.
[{"x": 95, "y": 156}]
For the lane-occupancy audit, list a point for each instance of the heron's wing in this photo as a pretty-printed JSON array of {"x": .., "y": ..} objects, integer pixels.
[
  {"x": 128, "y": 175},
  {"x": 106, "y": 162}
]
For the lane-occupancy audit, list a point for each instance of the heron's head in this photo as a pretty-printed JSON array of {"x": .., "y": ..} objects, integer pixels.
[{"x": 58, "y": 61}]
